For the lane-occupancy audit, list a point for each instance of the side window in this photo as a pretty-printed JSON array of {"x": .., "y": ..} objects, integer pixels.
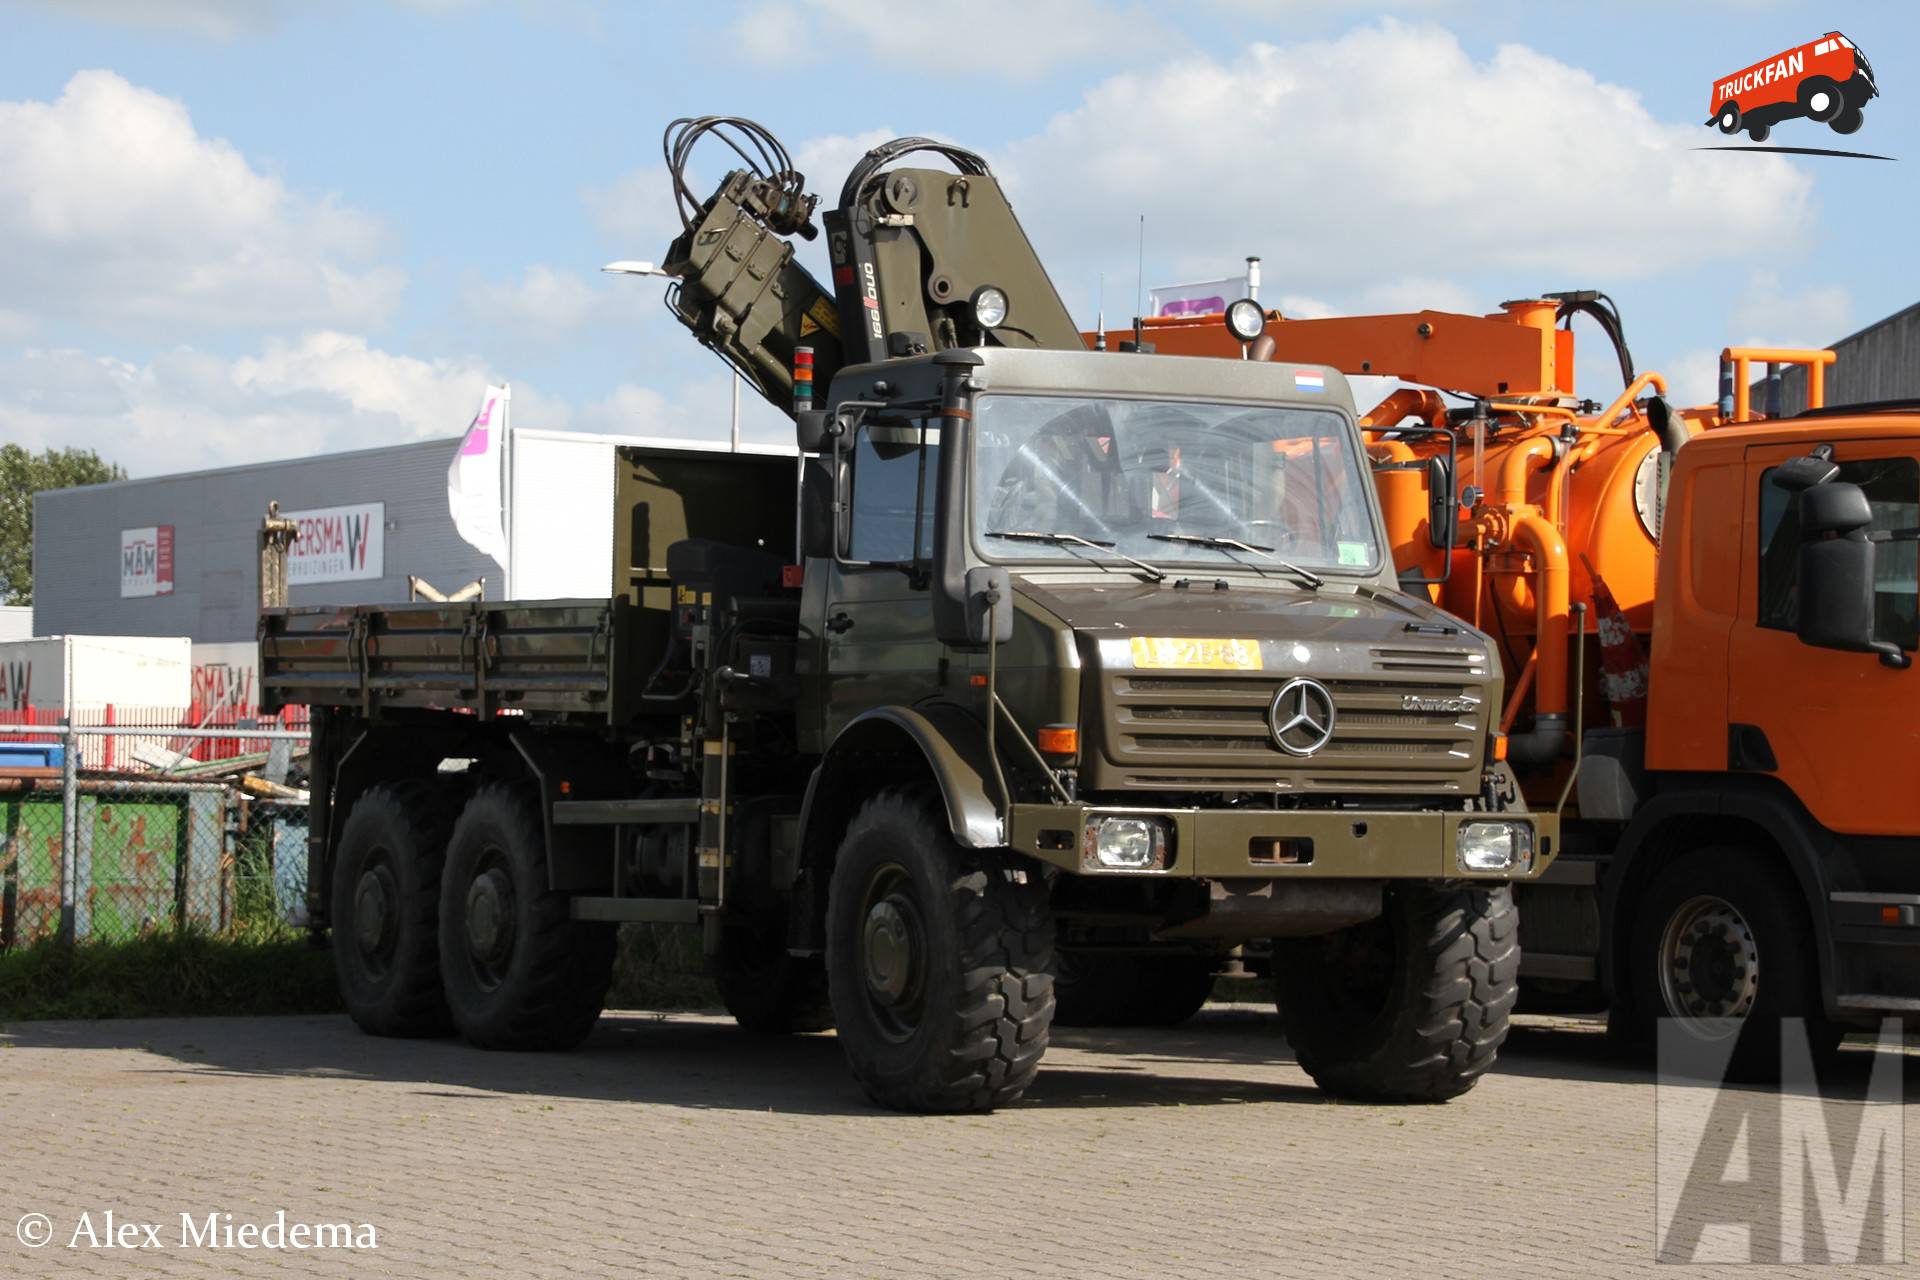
[
  {"x": 1892, "y": 486},
  {"x": 893, "y": 476}
]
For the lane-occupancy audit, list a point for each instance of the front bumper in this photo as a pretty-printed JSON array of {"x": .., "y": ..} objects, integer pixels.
[
  {"x": 1876, "y": 960},
  {"x": 1346, "y": 843}
]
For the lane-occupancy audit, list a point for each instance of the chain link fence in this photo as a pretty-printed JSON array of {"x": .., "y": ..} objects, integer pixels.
[{"x": 116, "y": 832}]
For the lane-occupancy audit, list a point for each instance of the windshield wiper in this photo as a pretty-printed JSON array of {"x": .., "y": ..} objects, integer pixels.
[
  {"x": 1073, "y": 540},
  {"x": 1312, "y": 579}
]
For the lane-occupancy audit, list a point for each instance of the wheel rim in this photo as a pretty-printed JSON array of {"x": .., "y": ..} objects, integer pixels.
[
  {"x": 490, "y": 919},
  {"x": 376, "y": 903},
  {"x": 893, "y": 948},
  {"x": 1819, "y": 102},
  {"x": 1709, "y": 966}
]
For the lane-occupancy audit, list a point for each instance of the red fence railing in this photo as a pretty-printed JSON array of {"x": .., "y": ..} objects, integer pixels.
[{"x": 139, "y": 753}]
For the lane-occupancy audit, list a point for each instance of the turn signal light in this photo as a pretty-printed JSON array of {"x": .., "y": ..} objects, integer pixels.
[
  {"x": 1060, "y": 740},
  {"x": 1499, "y": 747}
]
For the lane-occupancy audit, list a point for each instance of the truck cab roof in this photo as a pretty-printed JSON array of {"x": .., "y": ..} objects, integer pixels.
[
  {"x": 1858, "y": 422},
  {"x": 1110, "y": 373}
]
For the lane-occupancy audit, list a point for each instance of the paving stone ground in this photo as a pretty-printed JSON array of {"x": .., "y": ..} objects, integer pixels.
[{"x": 677, "y": 1145}]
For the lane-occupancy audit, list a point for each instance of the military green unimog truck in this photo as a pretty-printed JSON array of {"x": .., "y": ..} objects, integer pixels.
[{"x": 1087, "y": 668}]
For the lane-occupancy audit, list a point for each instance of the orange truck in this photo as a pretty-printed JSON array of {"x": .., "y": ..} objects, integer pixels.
[
  {"x": 1705, "y": 617},
  {"x": 1827, "y": 80}
]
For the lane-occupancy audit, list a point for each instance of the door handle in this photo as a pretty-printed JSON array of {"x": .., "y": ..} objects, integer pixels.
[{"x": 839, "y": 622}]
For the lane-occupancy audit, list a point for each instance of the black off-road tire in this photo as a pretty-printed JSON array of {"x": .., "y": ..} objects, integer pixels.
[
  {"x": 1118, "y": 989},
  {"x": 1759, "y": 130},
  {"x": 547, "y": 989},
  {"x": 968, "y": 1026},
  {"x": 767, "y": 990},
  {"x": 1411, "y": 1007},
  {"x": 1814, "y": 86},
  {"x": 1729, "y": 118},
  {"x": 393, "y": 987},
  {"x": 1848, "y": 121},
  {"x": 1768, "y": 928}
]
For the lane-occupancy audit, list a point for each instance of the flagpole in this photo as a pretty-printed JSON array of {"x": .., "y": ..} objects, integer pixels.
[{"x": 506, "y": 487}]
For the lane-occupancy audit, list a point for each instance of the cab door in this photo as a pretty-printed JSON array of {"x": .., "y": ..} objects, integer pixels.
[
  {"x": 880, "y": 648},
  {"x": 1843, "y": 729}
]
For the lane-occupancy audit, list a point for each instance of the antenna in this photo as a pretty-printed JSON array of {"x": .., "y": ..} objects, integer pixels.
[
  {"x": 1100, "y": 317},
  {"x": 1139, "y": 282},
  {"x": 1140, "y": 268}
]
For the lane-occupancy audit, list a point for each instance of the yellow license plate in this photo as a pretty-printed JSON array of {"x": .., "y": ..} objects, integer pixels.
[{"x": 1180, "y": 653}]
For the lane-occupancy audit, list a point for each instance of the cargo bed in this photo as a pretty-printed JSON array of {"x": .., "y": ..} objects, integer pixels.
[{"x": 548, "y": 656}]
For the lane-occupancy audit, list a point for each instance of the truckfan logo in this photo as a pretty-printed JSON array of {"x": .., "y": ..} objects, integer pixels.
[
  {"x": 1828, "y": 81},
  {"x": 1302, "y": 717}
]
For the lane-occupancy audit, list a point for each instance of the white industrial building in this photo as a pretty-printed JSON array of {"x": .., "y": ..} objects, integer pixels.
[{"x": 177, "y": 555}]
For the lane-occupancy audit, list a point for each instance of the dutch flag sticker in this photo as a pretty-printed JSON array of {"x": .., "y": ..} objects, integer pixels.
[{"x": 1309, "y": 380}]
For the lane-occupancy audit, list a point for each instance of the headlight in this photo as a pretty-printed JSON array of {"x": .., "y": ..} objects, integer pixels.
[
  {"x": 1494, "y": 846},
  {"x": 1245, "y": 320},
  {"x": 989, "y": 307},
  {"x": 1125, "y": 842}
]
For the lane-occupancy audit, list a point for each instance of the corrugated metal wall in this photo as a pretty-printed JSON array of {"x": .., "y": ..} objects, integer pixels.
[
  {"x": 215, "y": 514},
  {"x": 1881, "y": 362}
]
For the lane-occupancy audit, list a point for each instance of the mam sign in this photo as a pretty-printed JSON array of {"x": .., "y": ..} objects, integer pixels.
[
  {"x": 338, "y": 544},
  {"x": 146, "y": 561}
]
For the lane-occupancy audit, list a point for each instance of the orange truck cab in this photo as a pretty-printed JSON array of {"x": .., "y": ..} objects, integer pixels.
[
  {"x": 1783, "y": 725},
  {"x": 1827, "y": 80}
]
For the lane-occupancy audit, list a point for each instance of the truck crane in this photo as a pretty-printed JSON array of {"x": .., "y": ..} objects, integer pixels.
[{"x": 1084, "y": 671}]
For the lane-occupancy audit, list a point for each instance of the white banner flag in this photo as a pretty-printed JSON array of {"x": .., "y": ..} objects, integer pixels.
[
  {"x": 1204, "y": 298},
  {"x": 473, "y": 481}
]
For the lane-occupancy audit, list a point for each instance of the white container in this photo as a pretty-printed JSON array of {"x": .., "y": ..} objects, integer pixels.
[{"x": 83, "y": 675}]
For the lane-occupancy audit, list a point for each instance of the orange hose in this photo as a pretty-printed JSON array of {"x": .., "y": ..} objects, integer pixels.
[{"x": 1552, "y": 591}]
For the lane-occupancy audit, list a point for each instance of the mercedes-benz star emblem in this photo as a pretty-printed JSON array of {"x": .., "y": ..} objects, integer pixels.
[{"x": 1302, "y": 717}]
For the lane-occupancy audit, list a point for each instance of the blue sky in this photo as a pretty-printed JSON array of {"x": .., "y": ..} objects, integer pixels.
[{"x": 236, "y": 228}]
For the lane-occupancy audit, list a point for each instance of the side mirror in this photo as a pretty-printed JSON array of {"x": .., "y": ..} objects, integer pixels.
[
  {"x": 1836, "y": 573},
  {"x": 1443, "y": 504},
  {"x": 1806, "y": 473},
  {"x": 989, "y": 606},
  {"x": 816, "y": 508},
  {"x": 810, "y": 429}
]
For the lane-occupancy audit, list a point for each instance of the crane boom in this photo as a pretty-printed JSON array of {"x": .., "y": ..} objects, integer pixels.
[{"x": 916, "y": 256}]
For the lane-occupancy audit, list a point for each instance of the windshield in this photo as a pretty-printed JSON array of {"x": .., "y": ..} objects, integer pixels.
[{"x": 1169, "y": 482}]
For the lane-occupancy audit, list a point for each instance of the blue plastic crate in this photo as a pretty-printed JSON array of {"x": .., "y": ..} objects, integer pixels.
[{"x": 32, "y": 755}]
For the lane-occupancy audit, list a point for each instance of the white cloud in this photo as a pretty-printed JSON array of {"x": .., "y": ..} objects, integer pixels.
[
  {"x": 116, "y": 211},
  {"x": 221, "y": 20},
  {"x": 17, "y": 326},
  {"x": 209, "y": 19},
  {"x": 1771, "y": 315},
  {"x": 1693, "y": 377},
  {"x": 635, "y": 212},
  {"x": 828, "y": 159},
  {"x": 1420, "y": 293},
  {"x": 1004, "y": 39},
  {"x": 547, "y": 306},
  {"x": 324, "y": 392},
  {"x": 1518, "y": 164}
]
